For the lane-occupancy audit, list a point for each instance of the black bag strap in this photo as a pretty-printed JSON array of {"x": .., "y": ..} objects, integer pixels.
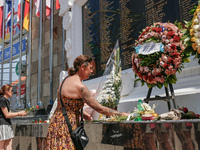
[{"x": 65, "y": 112}]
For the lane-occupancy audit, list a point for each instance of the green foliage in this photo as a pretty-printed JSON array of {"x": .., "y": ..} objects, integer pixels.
[
  {"x": 121, "y": 118},
  {"x": 30, "y": 109}
]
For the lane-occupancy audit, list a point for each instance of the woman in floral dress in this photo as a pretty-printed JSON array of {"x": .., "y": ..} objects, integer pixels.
[{"x": 74, "y": 94}]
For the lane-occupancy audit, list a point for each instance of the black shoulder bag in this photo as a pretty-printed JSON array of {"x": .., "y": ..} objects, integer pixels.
[{"x": 78, "y": 136}]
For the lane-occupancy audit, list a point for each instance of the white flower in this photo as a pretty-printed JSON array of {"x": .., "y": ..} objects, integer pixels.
[
  {"x": 197, "y": 34},
  {"x": 146, "y": 106},
  {"x": 186, "y": 40},
  {"x": 196, "y": 21},
  {"x": 197, "y": 41},
  {"x": 196, "y": 28}
]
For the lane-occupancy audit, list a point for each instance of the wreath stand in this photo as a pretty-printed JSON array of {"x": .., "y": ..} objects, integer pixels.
[{"x": 166, "y": 98}]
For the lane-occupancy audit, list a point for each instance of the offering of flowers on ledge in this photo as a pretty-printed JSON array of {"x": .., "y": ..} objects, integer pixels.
[
  {"x": 148, "y": 113},
  {"x": 39, "y": 121},
  {"x": 185, "y": 114},
  {"x": 159, "y": 55}
]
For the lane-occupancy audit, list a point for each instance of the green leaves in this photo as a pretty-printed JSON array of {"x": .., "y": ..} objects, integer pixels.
[
  {"x": 149, "y": 59},
  {"x": 172, "y": 79},
  {"x": 192, "y": 11},
  {"x": 186, "y": 60}
]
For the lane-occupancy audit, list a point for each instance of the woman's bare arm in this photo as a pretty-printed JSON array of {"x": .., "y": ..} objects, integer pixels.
[
  {"x": 93, "y": 103},
  {"x": 8, "y": 114}
]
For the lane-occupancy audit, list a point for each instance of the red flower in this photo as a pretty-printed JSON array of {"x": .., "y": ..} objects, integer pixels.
[
  {"x": 36, "y": 122},
  {"x": 166, "y": 65},
  {"x": 185, "y": 110},
  {"x": 176, "y": 38},
  {"x": 142, "y": 33},
  {"x": 45, "y": 121},
  {"x": 175, "y": 55},
  {"x": 170, "y": 60},
  {"x": 157, "y": 29},
  {"x": 40, "y": 121},
  {"x": 148, "y": 29},
  {"x": 170, "y": 33},
  {"x": 173, "y": 46},
  {"x": 37, "y": 106}
]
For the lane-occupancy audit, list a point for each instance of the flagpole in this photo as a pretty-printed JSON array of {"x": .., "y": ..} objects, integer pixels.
[
  {"x": 28, "y": 80},
  {"x": 11, "y": 44},
  {"x": 51, "y": 52},
  {"x": 2, "y": 59},
  {"x": 63, "y": 48},
  {"x": 20, "y": 54},
  {"x": 39, "y": 54}
]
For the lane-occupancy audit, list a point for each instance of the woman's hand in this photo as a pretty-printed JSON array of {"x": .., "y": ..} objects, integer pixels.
[
  {"x": 87, "y": 116},
  {"x": 125, "y": 114},
  {"x": 22, "y": 113}
]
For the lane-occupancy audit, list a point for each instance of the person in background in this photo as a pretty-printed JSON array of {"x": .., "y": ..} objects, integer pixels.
[
  {"x": 74, "y": 94},
  {"x": 6, "y": 132}
]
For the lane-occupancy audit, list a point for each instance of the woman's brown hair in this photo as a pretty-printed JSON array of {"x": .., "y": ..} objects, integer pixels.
[
  {"x": 5, "y": 88},
  {"x": 80, "y": 60}
]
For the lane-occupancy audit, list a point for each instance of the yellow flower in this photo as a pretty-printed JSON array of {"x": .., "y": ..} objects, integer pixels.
[
  {"x": 193, "y": 39},
  {"x": 194, "y": 46},
  {"x": 198, "y": 49},
  {"x": 191, "y": 32},
  {"x": 197, "y": 10},
  {"x": 195, "y": 14},
  {"x": 192, "y": 24}
]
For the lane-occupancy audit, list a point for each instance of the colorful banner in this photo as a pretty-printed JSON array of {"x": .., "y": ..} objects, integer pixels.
[{"x": 15, "y": 52}]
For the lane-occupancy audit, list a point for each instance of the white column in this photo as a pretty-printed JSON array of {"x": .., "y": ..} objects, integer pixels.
[{"x": 71, "y": 10}]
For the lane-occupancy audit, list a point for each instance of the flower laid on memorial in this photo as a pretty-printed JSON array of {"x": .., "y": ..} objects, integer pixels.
[
  {"x": 31, "y": 109},
  {"x": 158, "y": 54},
  {"x": 192, "y": 33},
  {"x": 39, "y": 121},
  {"x": 187, "y": 114},
  {"x": 109, "y": 92}
]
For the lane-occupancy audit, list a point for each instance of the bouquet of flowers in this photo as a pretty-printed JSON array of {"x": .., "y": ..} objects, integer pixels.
[
  {"x": 159, "y": 54},
  {"x": 109, "y": 92},
  {"x": 147, "y": 113}
]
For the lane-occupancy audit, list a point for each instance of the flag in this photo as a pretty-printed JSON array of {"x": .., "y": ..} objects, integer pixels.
[
  {"x": 26, "y": 15},
  {"x": 1, "y": 17},
  {"x": 19, "y": 10},
  {"x": 37, "y": 4},
  {"x": 8, "y": 18},
  {"x": 48, "y": 9},
  {"x": 57, "y": 4}
]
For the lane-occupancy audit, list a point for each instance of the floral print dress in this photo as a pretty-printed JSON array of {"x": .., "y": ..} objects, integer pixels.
[{"x": 58, "y": 136}]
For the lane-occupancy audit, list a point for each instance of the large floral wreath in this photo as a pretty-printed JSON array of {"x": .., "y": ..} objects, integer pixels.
[
  {"x": 192, "y": 33},
  {"x": 159, "y": 67}
]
